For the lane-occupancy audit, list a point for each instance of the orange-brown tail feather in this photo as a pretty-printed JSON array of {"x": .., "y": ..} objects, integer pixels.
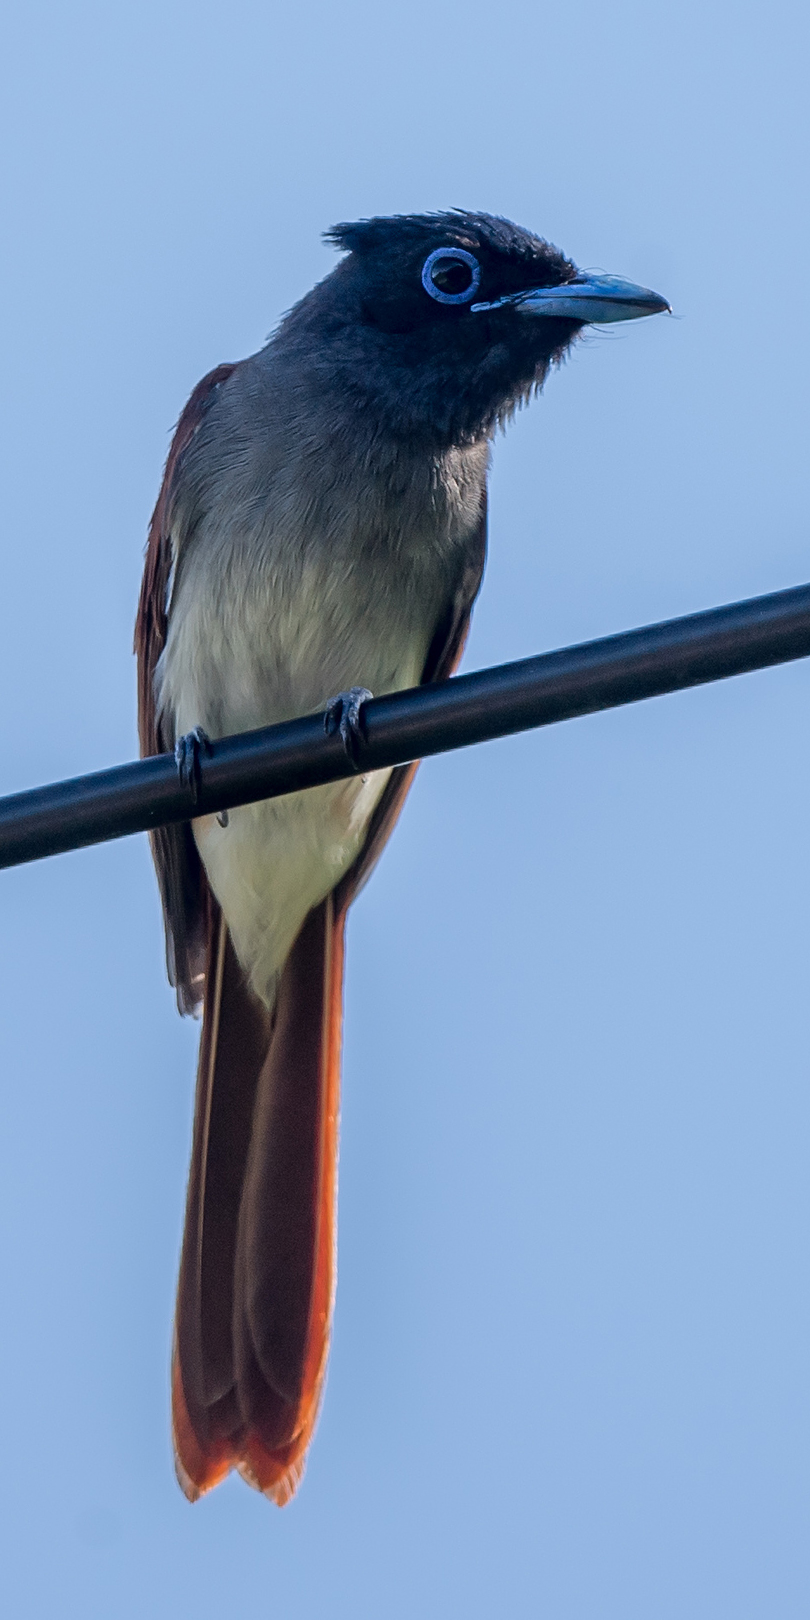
[{"x": 257, "y": 1271}]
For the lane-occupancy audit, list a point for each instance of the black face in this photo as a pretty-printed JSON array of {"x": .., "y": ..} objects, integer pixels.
[
  {"x": 400, "y": 326},
  {"x": 414, "y": 269}
]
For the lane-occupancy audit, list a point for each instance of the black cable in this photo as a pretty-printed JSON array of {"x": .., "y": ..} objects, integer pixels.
[{"x": 410, "y": 725}]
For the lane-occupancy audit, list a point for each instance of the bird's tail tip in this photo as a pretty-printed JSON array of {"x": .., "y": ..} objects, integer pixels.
[{"x": 276, "y": 1474}]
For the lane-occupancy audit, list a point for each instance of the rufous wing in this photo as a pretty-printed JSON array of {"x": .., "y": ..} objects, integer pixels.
[{"x": 180, "y": 874}]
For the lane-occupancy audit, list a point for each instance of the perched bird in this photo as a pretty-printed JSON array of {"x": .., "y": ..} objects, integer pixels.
[{"x": 319, "y": 535}]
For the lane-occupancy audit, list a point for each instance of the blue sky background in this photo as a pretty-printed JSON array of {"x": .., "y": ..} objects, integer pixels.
[{"x": 570, "y": 1370}]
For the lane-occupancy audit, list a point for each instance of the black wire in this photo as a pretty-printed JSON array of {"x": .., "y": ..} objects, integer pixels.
[{"x": 409, "y": 725}]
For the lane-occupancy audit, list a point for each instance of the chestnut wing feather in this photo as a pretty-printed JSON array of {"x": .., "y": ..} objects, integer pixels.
[{"x": 181, "y": 879}]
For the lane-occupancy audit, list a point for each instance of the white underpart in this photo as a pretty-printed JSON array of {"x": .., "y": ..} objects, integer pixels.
[{"x": 276, "y": 860}]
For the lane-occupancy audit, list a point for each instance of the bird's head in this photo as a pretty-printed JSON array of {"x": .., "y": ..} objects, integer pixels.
[{"x": 444, "y": 323}]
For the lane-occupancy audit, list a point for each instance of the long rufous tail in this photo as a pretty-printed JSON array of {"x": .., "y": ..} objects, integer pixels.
[{"x": 257, "y": 1272}]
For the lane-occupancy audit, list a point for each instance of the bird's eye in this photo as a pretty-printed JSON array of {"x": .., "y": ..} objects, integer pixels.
[{"x": 451, "y": 276}]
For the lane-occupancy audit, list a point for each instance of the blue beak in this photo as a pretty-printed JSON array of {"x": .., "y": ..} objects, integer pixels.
[{"x": 596, "y": 299}]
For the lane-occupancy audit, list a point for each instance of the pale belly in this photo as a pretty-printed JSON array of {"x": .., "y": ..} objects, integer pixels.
[{"x": 275, "y": 860}]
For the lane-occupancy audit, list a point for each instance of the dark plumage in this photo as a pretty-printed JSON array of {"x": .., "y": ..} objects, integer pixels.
[
  {"x": 430, "y": 370},
  {"x": 321, "y": 525}
]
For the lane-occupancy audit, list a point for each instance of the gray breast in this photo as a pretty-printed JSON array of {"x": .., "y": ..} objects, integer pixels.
[{"x": 311, "y": 553}]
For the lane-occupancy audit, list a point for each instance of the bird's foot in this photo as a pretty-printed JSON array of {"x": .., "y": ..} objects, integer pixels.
[
  {"x": 188, "y": 752},
  {"x": 344, "y": 713}
]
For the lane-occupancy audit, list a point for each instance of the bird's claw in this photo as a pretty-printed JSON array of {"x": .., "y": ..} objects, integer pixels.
[
  {"x": 344, "y": 713},
  {"x": 188, "y": 752}
]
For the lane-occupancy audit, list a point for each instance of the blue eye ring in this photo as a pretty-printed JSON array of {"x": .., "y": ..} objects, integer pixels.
[{"x": 458, "y": 256}]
